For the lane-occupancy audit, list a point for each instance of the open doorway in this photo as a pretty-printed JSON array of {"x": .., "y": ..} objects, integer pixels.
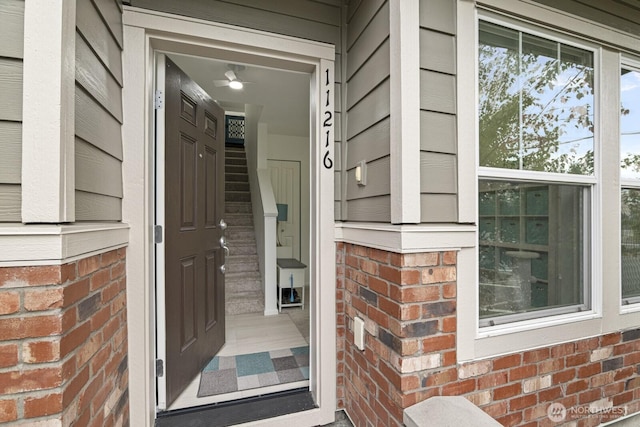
[
  {"x": 207, "y": 181},
  {"x": 147, "y": 34}
]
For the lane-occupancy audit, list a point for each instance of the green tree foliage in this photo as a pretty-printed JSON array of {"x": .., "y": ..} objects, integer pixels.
[{"x": 536, "y": 107}]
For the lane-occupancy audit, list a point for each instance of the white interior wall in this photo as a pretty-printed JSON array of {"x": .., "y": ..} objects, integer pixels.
[{"x": 285, "y": 147}]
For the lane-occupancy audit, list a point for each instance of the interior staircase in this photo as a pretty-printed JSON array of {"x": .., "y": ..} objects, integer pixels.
[{"x": 243, "y": 282}]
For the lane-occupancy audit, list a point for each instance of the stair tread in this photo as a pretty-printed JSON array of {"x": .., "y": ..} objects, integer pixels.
[
  {"x": 244, "y": 293},
  {"x": 241, "y": 276}
]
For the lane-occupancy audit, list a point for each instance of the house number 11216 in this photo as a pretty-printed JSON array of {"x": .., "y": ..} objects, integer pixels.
[{"x": 326, "y": 124}]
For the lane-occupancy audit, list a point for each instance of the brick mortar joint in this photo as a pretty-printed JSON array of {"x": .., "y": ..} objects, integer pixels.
[
  {"x": 25, "y": 366},
  {"x": 31, "y": 314}
]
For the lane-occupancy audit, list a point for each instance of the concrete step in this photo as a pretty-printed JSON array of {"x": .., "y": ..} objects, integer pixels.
[{"x": 244, "y": 302}]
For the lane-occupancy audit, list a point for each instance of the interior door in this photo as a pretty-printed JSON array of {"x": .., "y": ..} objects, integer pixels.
[
  {"x": 194, "y": 229},
  {"x": 285, "y": 181}
]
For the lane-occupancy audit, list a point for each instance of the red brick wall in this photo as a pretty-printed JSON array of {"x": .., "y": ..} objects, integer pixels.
[
  {"x": 408, "y": 303},
  {"x": 63, "y": 347}
]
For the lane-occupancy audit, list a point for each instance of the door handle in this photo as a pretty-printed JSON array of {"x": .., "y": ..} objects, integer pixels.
[
  {"x": 223, "y": 245},
  {"x": 222, "y": 225},
  {"x": 223, "y": 269}
]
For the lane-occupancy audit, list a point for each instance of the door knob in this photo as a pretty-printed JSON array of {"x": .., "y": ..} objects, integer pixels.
[
  {"x": 222, "y": 225},
  {"x": 223, "y": 269},
  {"x": 223, "y": 242}
]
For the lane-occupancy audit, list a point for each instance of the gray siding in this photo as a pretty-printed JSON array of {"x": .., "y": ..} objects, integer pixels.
[
  {"x": 623, "y": 15},
  {"x": 438, "y": 169},
  {"x": 306, "y": 19},
  {"x": 11, "y": 54},
  {"x": 98, "y": 111},
  {"x": 368, "y": 110}
]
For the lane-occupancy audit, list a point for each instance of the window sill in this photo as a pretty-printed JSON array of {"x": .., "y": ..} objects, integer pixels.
[
  {"x": 537, "y": 323},
  {"x": 478, "y": 343}
]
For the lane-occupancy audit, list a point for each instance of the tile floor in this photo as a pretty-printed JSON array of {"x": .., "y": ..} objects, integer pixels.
[{"x": 249, "y": 333}]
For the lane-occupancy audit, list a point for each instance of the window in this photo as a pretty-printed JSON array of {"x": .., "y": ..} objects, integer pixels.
[
  {"x": 536, "y": 174},
  {"x": 630, "y": 180}
]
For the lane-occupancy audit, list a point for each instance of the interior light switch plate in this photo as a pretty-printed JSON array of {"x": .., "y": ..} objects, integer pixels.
[{"x": 358, "y": 333}]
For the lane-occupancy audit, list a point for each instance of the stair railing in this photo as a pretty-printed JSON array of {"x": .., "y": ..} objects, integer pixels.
[{"x": 264, "y": 220}]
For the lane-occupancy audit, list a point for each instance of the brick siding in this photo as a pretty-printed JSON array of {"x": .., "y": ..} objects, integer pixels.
[
  {"x": 63, "y": 346},
  {"x": 408, "y": 303}
]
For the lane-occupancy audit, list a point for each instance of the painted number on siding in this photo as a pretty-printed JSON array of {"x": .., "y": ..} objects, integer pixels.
[{"x": 326, "y": 124}]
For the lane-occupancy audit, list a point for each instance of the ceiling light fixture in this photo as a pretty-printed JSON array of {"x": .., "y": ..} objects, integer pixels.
[
  {"x": 236, "y": 84},
  {"x": 232, "y": 79}
]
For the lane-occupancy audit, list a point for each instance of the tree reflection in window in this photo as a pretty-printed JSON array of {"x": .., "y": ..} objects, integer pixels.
[{"x": 536, "y": 103}]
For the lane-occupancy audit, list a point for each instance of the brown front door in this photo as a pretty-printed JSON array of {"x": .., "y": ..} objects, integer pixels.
[{"x": 194, "y": 205}]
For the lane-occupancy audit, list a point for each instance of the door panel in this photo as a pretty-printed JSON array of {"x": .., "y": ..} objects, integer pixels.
[
  {"x": 211, "y": 313},
  {"x": 211, "y": 183},
  {"x": 194, "y": 205},
  {"x": 285, "y": 181},
  {"x": 188, "y": 163},
  {"x": 188, "y": 303}
]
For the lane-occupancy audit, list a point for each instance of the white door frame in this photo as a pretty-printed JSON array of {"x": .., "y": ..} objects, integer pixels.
[{"x": 147, "y": 32}]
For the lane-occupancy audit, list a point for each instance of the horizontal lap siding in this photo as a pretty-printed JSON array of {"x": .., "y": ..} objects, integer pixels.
[
  {"x": 12, "y": 28},
  {"x": 368, "y": 110},
  {"x": 11, "y": 54},
  {"x": 10, "y": 201},
  {"x": 623, "y": 15},
  {"x": 98, "y": 111},
  {"x": 305, "y": 19},
  {"x": 438, "y": 141},
  {"x": 318, "y": 20}
]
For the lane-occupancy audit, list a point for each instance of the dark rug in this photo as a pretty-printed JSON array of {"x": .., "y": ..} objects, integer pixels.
[{"x": 226, "y": 374}]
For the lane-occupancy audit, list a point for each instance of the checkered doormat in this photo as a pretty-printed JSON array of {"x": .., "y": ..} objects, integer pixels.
[{"x": 226, "y": 374}]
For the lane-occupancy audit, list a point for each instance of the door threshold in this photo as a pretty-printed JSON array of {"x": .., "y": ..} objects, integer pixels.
[{"x": 239, "y": 411}]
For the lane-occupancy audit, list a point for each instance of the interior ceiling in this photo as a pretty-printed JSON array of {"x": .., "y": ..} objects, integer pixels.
[{"x": 284, "y": 95}]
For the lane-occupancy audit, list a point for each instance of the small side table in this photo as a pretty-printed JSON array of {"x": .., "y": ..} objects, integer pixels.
[{"x": 291, "y": 277}]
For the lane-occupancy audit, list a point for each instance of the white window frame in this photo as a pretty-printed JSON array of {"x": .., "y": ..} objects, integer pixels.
[
  {"x": 473, "y": 341},
  {"x": 631, "y": 304},
  {"x": 585, "y": 181}
]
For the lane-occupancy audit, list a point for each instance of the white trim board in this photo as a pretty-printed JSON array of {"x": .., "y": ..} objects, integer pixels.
[
  {"x": 48, "y": 168},
  {"x": 407, "y": 238},
  {"x": 147, "y": 32},
  {"x": 28, "y": 245}
]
